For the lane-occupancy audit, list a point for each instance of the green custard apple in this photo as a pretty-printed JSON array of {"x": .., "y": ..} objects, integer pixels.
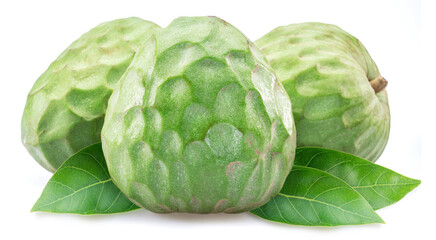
[
  {"x": 199, "y": 122},
  {"x": 338, "y": 95},
  {"x": 66, "y": 106}
]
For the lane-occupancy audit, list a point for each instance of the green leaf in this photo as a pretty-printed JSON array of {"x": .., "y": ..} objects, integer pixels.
[
  {"x": 82, "y": 185},
  {"x": 378, "y": 185},
  {"x": 312, "y": 197}
]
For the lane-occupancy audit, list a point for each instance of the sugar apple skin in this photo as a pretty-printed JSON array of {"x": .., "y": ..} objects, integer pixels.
[
  {"x": 338, "y": 95},
  {"x": 65, "y": 108},
  {"x": 199, "y": 123}
]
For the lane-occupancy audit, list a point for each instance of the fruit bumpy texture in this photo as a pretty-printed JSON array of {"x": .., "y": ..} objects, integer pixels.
[
  {"x": 199, "y": 123},
  {"x": 66, "y": 106},
  {"x": 326, "y": 73}
]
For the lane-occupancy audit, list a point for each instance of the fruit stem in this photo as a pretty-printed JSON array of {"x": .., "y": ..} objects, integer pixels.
[{"x": 378, "y": 84}]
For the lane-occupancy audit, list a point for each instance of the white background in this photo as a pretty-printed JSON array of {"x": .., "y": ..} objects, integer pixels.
[{"x": 396, "y": 33}]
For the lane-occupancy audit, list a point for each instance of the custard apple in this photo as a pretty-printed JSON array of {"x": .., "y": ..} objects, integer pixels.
[
  {"x": 338, "y": 95},
  {"x": 66, "y": 106},
  {"x": 199, "y": 122}
]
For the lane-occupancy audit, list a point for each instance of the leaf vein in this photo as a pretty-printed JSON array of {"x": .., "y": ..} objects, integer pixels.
[
  {"x": 69, "y": 195},
  {"x": 325, "y": 203}
]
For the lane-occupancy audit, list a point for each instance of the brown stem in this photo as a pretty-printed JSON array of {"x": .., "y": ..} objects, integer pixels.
[{"x": 378, "y": 84}]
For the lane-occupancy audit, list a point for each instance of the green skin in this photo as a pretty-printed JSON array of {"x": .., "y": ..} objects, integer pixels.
[
  {"x": 326, "y": 73},
  {"x": 199, "y": 123},
  {"x": 66, "y": 106}
]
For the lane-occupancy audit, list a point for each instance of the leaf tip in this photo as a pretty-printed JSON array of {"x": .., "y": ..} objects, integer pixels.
[
  {"x": 36, "y": 207},
  {"x": 33, "y": 209},
  {"x": 378, "y": 219},
  {"x": 416, "y": 183}
]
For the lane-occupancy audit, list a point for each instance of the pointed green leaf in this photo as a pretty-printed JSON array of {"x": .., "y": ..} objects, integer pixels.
[
  {"x": 312, "y": 197},
  {"x": 378, "y": 185},
  {"x": 82, "y": 185}
]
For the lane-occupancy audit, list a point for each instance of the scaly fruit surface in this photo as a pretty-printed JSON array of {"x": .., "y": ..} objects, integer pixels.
[
  {"x": 199, "y": 122},
  {"x": 338, "y": 95},
  {"x": 66, "y": 106}
]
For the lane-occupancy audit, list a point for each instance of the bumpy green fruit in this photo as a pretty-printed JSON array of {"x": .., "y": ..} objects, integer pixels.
[
  {"x": 199, "y": 122},
  {"x": 66, "y": 106},
  {"x": 338, "y": 95}
]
